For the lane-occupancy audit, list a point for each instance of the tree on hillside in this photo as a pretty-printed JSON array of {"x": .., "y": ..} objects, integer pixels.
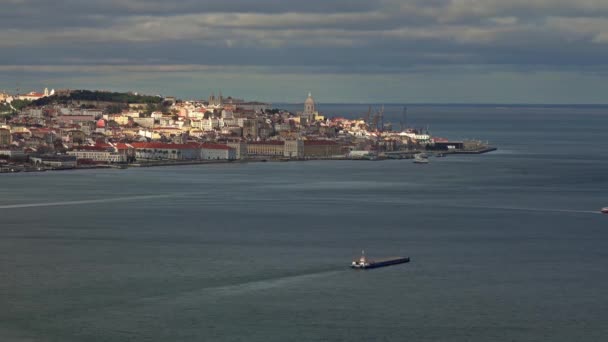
[
  {"x": 115, "y": 108},
  {"x": 20, "y": 104},
  {"x": 5, "y": 109}
]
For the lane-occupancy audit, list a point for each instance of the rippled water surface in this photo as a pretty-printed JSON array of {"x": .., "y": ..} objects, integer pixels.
[{"x": 507, "y": 246}]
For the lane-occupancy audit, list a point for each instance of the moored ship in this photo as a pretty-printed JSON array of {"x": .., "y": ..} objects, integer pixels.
[{"x": 364, "y": 263}]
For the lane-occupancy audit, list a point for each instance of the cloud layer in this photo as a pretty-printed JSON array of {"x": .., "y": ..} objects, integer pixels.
[{"x": 327, "y": 37}]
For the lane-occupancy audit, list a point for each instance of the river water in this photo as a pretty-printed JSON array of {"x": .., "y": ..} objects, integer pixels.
[{"x": 507, "y": 246}]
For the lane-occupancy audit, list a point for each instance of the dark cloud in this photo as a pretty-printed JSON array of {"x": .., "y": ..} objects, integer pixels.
[{"x": 340, "y": 36}]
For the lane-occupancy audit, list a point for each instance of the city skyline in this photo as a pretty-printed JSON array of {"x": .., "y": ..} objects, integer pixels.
[{"x": 538, "y": 52}]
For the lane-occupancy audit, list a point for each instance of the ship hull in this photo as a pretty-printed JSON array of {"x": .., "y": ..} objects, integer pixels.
[{"x": 381, "y": 263}]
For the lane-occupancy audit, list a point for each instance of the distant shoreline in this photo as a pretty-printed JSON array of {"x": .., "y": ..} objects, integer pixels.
[
  {"x": 481, "y": 105},
  {"x": 399, "y": 155}
]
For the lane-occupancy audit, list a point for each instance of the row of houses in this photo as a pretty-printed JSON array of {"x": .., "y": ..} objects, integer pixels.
[{"x": 123, "y": 153}]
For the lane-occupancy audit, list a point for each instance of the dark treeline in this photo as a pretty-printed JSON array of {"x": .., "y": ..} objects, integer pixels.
[{"x": 88, "y": 95}]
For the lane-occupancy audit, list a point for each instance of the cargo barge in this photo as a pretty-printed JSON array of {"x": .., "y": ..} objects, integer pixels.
[{"x": 364, "y": 263}]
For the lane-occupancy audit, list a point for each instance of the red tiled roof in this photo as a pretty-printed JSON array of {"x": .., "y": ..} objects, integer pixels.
[
  {"x": 123, "y": 146},
  {"x": 215, "y": 147},
  {"x": 34, "y": 94},
  {"x": 167, "y": 128},
  {"x": 319, "y": 142},
  {"x": 159, "y": 145},
  {"x": 90, "y": 148},
  {"x": 270, "y": 142}
]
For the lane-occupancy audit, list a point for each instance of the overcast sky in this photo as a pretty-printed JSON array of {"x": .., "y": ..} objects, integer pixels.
[{"x": 433, "y": 51}]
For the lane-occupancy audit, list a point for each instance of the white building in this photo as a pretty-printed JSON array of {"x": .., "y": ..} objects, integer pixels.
[
  {"x": 162, "y": 151},
  {"x": 210, "y": 124},
  {"x": 217, "y": 152},
  {"x": 98, "y": 154},
  {"x": 144, "y": 122}
]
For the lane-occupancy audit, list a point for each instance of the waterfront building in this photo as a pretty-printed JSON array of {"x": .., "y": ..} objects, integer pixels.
[
  {"x": 55, "y": 161},
  {"x": 416, "y": 136},
  {"x": 102, "y": 154},
  {"x": 13, "y": 153},
  {"x": 240, "y": 148},
  {"x": 266, "y": 148},
  {"x": 321, "y": 148},
  {"x": 217, "y": 152},
  {"x": 294, "y": 148},
  {"x": 163, "y": 151}
]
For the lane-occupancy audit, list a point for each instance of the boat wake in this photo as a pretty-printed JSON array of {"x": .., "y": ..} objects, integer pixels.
[
  {"x": 342, "y": 200},
  {"x": 266, "y": 284},
  {"x": 235, "y": 289},
  {"x": 83, "y": 202},
  {"x": 540, "y": 210}
]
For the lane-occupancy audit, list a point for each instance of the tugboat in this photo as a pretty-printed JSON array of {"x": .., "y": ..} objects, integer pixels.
[
  {"x": 604, "y": 210},
  {"x": 364, "y": 263}
]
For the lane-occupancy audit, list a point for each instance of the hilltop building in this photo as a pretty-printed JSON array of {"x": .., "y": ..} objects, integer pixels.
[
  {"x": 310, "y": 114},
  {"x": 216, "y": 102},
  {"x": 33, "y": 96},
  {"x": 4, "y": 97}
]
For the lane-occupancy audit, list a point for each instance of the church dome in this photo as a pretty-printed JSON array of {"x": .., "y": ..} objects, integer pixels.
[
  {"x": 309, "y": 105},
  {"x": 309, "y": 99}
]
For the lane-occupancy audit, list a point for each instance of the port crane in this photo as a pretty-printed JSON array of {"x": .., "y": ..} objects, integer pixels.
[
  {"x": 368, "y": 115},
  {"x": 378, "y": 119},
  {"x": 404, "y": 120}
]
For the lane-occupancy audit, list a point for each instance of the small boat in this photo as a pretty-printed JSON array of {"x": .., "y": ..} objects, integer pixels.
[
  {"x": 364, "y": 263},
  {"x": 604, "y": 210},
  {"x": 439, "y": 155},
  {"x": 421, "y": 159}
]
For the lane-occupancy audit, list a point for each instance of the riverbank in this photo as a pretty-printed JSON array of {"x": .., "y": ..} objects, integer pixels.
[{"x": 15, "y": 168}]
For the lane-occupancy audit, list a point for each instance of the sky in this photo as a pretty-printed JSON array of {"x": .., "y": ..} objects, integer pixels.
[{"x": 356, "y": 51}]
